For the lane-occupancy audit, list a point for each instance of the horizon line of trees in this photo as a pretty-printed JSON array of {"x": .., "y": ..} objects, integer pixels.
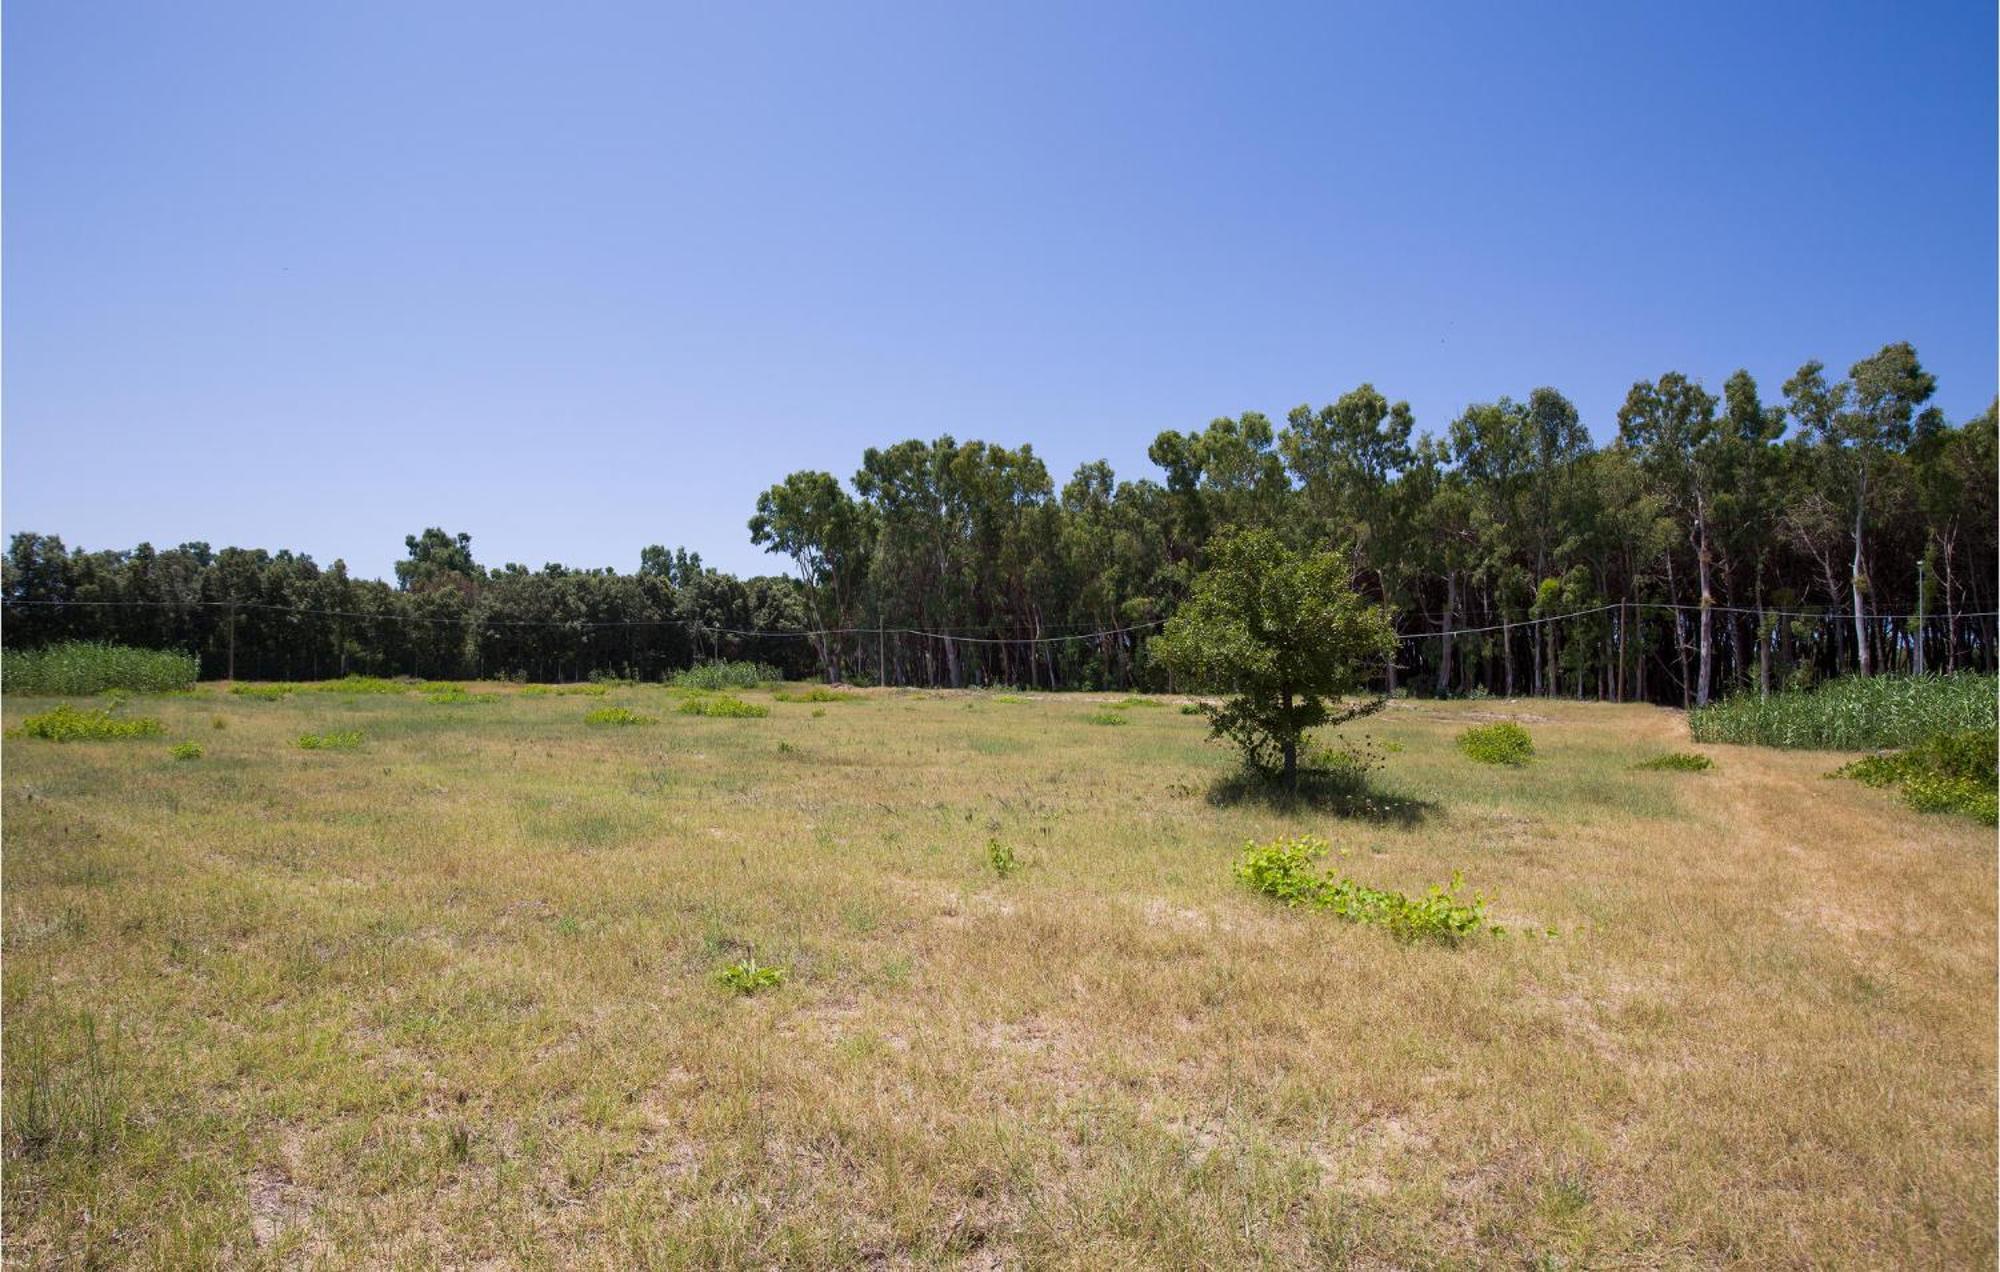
[{"x": 1717, "y": 544}]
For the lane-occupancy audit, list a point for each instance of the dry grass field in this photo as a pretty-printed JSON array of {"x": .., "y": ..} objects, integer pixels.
[{"x": 449, "y": 998}]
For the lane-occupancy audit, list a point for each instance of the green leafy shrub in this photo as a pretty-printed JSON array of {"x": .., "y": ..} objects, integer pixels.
[
  {"x": 263, "y": 693},
  {"x": 1001, "y": 857},
  {"x": 727, "y": 675},
  {"x": 1287, "y": 869},
  {"x": 750, "y": 977},
  {"x": 724, "y": 707},
  {"x": 1501, "y": 743},
  {"x": 1946, "y": 773},
  {"x": 80, "y": 667},
  {"x": 186, "y": 751},
  {"x": 537, "y": 691},
  {"x": 1126, "y": 704},
  {"x": 1104, "y": 717},
  {"x": 67, "y": 724},
  {"x": 339, "y": 740},
  {"x": 1677, "y": 762},
  {"x": 616, "y": 716},
  {"x": 818, "y": 693},
  {"x": 1854, "y": 713},
  {"x": 1191, "y": 708}
]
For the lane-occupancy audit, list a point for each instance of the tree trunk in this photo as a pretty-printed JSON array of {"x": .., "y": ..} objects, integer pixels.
[
  {"x": 1856, "y": 583},
  {"x": 1444, "y": 649},
  {"x": 1707, "y": 637}
]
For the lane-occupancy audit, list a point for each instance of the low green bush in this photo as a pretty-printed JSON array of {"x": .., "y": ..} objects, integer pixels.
[
  {"x": 1287, "y": 869},
  {"x": 457, "y": 695},
  {"x": 67, "y": 724},
  {"x": 1677, "y": 762},
  {"x": 1104, "y": 717},
  {"x": 1126, "y": 704},
  {"x": 1947, "y": 773},
  {"x": 339, "y": 740},
  {"x": 616, "y": 716},
  {"x": 724, "y": 707},
  {"x": 263, "y": 693},
  {"x": 1001, "y": 857},
  {"x": 727, "y": 675},
  {"x": 1501, "y": 743},
  {"x": 1854, "y": 713},
  {"x": 78, "y": 668},
  {"x": 186, "y": 751}
]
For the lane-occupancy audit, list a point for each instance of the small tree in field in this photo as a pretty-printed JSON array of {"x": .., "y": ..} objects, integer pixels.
[{"x": 1284, "y": 635}]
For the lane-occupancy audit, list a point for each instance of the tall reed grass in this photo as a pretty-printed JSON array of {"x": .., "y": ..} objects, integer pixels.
[
  {"x": 84, "y": 667},
  {"x": 1855, "y": 713}
]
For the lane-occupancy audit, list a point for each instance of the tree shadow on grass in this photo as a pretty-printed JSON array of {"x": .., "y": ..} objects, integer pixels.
[{"x": 1341, "y": 792}]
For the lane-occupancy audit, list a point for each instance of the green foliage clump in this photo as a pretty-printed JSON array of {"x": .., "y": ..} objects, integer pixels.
[
  {"x": 1287, "y": 869},
  {"x": 727, "y": 675},
  {"x": 1947, "y": 773},
  {"x": 818, "y": 693},
  {"x": 1501, "y": 743},
  {"x": 1104, "y": 717},
  {"x": 360, "y": 685},
  {"x": 456, "y": 694},
  {"x": 1126, "y": 704},
  {"x": 67, "y": 724},
  {"x": 724, "y": 707},
  {"x": 1191, "y": 708},
  {"x": 1677, "y": 762},
  {"x": 1855, "y": 713},
  {"x": 618, "y": 716},
  {"x": 263, "y": 693},
  {"x": 750, "y": 976},
  {"x": 1284, "y": 635},
  {"x": 80, "y": 667},
  {"x": 339, "y": 740},
  {"x": 186, "y": 751},
  {"x": 537, "y": 691},
  {"x": 1001, "y": 857}
]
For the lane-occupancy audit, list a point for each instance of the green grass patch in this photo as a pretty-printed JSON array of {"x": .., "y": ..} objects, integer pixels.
[
  {"x": 67, "y": 724},
  {"x": 618, "y": 717},
  {"x": 339, "y": 740},
  {"x": 262, "y": 693},
  {"x": 80, "y": 667},
  {"x": 818, "y": 693},
  {"x": 724, "y": 707},
  {"x": 186, "y": 751},
  {"x": 1677, "y": 762},
  {"x": 1111, "y": 718},
  {"x": 1501, "y": 743},
  {"x": 1126, "y": 704},
  {"x": 1855, "y": 713},
  {"x": 360, "y": 685}
]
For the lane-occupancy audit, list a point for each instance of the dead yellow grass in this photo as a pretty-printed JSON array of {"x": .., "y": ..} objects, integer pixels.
[{"x": 448, "y": 999}]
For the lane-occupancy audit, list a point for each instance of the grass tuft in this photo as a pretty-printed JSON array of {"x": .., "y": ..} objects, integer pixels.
[
  {"x": 727, "y": 675},
  {"x": 750, "y": 977},
  {"x": 622, "y": 717},
  {"x": 1677, "y": 762},
  {"x": 339, "y": 740}
]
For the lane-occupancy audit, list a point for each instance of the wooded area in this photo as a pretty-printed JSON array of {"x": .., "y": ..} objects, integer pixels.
[{"x": 1719, "y": 543}]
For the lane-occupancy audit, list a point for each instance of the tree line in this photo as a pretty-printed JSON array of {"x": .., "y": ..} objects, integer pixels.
[{"x": 1718, "y": 543}]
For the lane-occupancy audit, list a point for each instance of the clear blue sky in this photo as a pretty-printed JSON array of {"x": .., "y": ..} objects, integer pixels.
[{"x": 581, "y": 277}]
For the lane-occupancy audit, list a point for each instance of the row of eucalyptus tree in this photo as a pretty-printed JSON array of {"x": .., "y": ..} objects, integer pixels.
[{"x": 1717, "y": 543}]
